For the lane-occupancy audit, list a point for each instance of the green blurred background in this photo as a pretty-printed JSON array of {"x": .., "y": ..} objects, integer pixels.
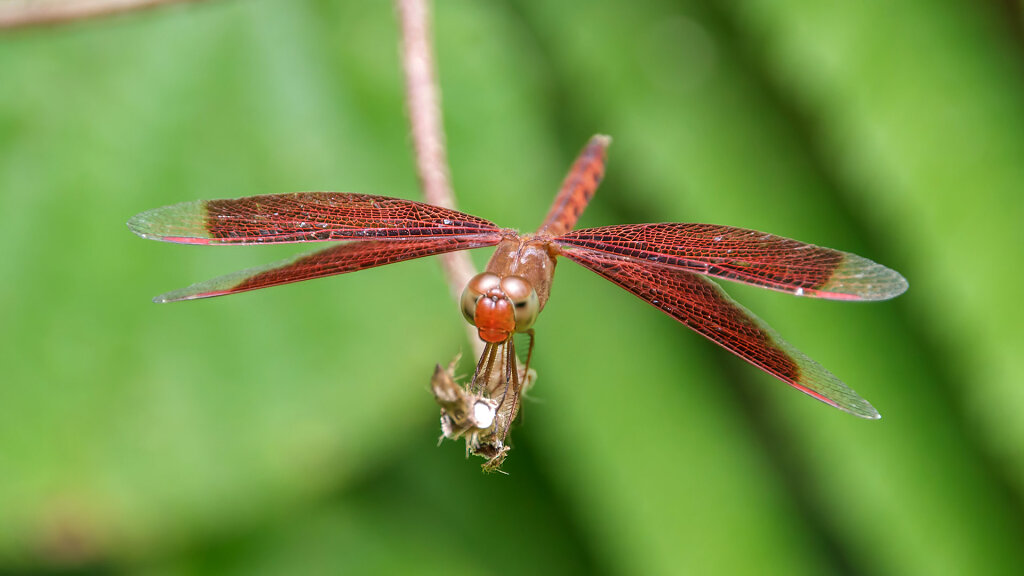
[{"x": 292, "y": 430}]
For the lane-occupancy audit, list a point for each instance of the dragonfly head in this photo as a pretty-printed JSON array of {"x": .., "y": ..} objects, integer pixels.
[{"x": 499, "y": 306}]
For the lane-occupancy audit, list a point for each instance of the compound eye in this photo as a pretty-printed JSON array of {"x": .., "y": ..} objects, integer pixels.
[
  {"x": 478, "y": 286},
  {"x": 524, "y": 300}
]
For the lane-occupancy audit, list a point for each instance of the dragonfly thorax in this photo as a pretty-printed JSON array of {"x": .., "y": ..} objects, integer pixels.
[{"x": 498, "y": 306}]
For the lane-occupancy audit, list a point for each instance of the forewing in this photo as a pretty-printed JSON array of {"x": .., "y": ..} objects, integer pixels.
[
  {"x": 704, "y": 307},
  {"x": 746, "y": 256},
  {"x": 348, "y": 257},
  {"x": 304, "y": 217}
]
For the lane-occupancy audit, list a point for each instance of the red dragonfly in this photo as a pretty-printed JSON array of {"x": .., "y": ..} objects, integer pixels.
[{"x": 664, "y": 264}]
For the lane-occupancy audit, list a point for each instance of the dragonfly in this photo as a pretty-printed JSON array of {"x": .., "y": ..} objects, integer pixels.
[{"x": 667, "y": 265}]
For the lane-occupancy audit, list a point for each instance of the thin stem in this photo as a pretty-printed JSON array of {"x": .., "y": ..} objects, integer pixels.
[
  {"x": 424, "y": 106},
  {"x": 25, "y": 14}
]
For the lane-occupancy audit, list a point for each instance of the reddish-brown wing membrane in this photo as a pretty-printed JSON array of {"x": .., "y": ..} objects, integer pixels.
[
  {"x": 383, "y": 230},
  {"x": 305, "y": 217},
  {"x": 347, "y": 257},
  {"x": 704, "y": 307},
  {"x": 746, "y": 256}
]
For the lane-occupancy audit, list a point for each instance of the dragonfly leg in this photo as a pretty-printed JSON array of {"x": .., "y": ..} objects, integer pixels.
[
  {"x": 484, "y": 368},
  {"x": 529, "y": 352}
]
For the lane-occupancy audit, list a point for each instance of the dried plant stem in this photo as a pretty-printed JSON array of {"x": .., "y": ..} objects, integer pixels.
[
  {"x": 25, "y": 14},
  {"x": 424, "y": 108}
]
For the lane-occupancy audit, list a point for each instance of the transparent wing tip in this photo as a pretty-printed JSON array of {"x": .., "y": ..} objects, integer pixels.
[
  {"x": 140, "y": 226},
  {"x": 862, "y": 409},
  {"x": 858, "y": 278},
  {"x": 822, "y": 385},
  {"x": 175, "y": 296},
  {"x": 195, "y": 292},
  {"x": 181, "y": 223},
  {"x": 165, "y": 298}
]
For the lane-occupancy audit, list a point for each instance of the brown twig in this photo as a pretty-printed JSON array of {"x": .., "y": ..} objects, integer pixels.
[
  {"x": 424, "y": 108},
  {"x": 25, "y": 14}
]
